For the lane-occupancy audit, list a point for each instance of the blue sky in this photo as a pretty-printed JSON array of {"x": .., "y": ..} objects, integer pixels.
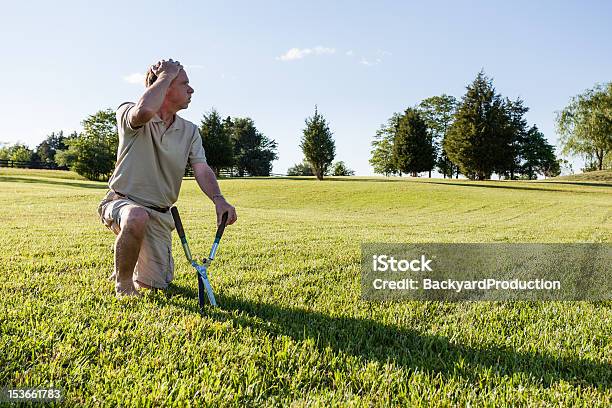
[{"x": 273, "y": 61}]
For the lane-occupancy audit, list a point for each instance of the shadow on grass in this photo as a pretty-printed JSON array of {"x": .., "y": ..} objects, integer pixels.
[
  {"x": 53, "y": 182},
  {"x": 603, "y": 183},
  {"x": 455, "y": 182},
  {"x": 515, "y": 187},
  {"x": 404, "y": 347}
]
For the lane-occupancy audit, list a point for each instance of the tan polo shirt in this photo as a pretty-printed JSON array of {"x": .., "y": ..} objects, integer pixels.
[{"x": 151, "y": 159}]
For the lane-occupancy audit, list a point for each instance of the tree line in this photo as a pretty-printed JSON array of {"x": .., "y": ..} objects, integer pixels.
[
  {"x": 237, "y": 145},
  {"x": 233, "y": 144},
  {"x": 482, "y": 134}
]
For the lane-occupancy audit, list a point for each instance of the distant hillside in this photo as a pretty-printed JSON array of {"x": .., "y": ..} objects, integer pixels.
[{"x": 599, "y": 175}]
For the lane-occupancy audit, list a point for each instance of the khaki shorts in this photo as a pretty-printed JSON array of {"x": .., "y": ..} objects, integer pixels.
[{"x": 155, "y": 266}]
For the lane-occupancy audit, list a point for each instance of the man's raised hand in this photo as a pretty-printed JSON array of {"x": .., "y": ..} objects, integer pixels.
[{"x": 167, "y": 68}]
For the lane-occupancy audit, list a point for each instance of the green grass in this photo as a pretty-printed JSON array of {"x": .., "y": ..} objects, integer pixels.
[
  {"x": 291, "y": 328},
  {"x": 597, "y": 176}
]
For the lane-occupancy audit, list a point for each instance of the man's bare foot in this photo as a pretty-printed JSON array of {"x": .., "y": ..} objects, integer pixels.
[
  {"x": 125, "y": 289},
  {"x": 140, "y": 285}
]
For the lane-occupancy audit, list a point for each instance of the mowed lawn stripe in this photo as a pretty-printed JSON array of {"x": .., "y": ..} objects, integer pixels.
[{"x": 291, "y": 327}]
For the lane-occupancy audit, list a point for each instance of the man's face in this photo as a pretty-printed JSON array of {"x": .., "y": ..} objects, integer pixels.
[{"x": 179, "y": 92}]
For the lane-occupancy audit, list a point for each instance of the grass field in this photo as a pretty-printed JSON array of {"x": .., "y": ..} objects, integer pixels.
[
  {"x": 598, "y": 175},
  {"x": 291, "y": 328}
]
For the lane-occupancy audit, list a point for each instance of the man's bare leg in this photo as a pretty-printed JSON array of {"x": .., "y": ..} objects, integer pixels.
[{"x": 127, "y": 247}]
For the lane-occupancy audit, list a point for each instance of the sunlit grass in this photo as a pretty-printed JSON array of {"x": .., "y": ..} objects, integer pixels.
[{"x": 291, "y": 327}]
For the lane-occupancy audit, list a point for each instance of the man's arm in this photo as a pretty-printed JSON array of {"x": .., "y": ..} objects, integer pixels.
[
  {"x": 151, "y": 101},
  {"x": 208, "y": 184}
]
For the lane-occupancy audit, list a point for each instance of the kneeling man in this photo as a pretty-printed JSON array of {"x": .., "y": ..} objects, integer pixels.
[{"x": 155, "y": 145}]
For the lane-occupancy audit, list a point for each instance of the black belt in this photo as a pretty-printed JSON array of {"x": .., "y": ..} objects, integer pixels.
[{"x": 158, "y": 209}]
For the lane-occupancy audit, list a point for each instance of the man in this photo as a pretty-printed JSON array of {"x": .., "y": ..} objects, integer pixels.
[{"x": 155, "y": 145}]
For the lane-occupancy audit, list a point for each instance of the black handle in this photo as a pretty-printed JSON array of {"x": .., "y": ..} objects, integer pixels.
[
  {"x": 201, "y": 291},
  {"x": 221, "y": 227},
  {"x": 177, "y": 222}
]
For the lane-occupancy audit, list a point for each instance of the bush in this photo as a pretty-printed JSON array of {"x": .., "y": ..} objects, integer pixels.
[
  {"x": 340, "y": 169},
  {"x": 300, "y": 169}
]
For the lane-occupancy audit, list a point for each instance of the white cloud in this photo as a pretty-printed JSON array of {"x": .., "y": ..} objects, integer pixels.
[
  {"x": 369, "y": 63},
  {"x": 135, "y": 78},
  {"x": 350, "y": 53},
  {"x": 299, "y": 53}
]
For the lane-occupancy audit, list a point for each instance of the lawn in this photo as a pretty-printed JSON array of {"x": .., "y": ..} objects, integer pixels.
[{"x": 291, "y": 328}]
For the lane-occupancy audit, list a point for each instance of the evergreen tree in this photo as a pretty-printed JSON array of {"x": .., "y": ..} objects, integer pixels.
[
  {"x": 253, "y": 151},
  {"x": 318, "y": 144},
  {"x": 551, "y": 166},
  {"x": 413, "y": 150},
  {"x": 510, "y": 137},
  {"x": 216, "y": 141},
  {"x": 476, "y": 140},
  {"x": 538, "y": 155}
]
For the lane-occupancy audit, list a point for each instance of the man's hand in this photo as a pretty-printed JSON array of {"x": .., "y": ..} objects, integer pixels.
[
  {"x": 168, "y": 68},
  {"x": 153, "y": 97},
  {"x": 221, "y": 207}
]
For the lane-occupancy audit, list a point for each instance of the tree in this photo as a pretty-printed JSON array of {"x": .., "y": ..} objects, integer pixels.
[
  {"x": 47, "y": 149},
  {"x": 92, "y": 153},
  {"x": 300, "y": 169},
  {"x": 21, "y": 153},
  {"x": 382, "y": 147},
  {"x": 585, "y": 125},
  {"x": 216, "y": 141},
  {"x": 317, "y": 144},
  {"x": 16, "y": 152},
  {"x": 475, "y": 141},
  {"x": 438, "y": 113},
  {"x": 102, "y": 126},
  {"x": 88, "y": 157},
  {"x": 538, "y": 155},
  {"x": 510, "y": 136},
  {"x": 340, "y": 169},
  {"x": 550, "y": 166},
  {"x": 413, "y": 149},
  {"x": 253, "y": 151},
  {"x": 66, "y": 158}
]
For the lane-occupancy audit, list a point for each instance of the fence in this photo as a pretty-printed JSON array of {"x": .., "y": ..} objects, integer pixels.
[
  {"x": 225, "y": 173},
  {"x": 230, "y": 173},
  {"x": 31, "y": 165}
]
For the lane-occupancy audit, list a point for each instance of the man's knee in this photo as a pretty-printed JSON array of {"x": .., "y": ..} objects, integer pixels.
[{"x": 134, "y": 220}]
